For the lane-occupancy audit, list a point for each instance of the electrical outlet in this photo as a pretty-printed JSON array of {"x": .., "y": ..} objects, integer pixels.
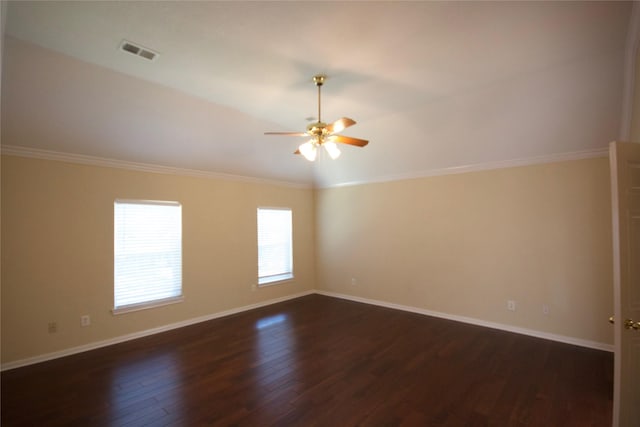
[
  {"x": 85, "y": 320},
  {"x": 354, "y": 282},
  {"x": 52, "y": 327},
  {"x": 545, "y": 309},
  {"x": 511, "y": 305}
]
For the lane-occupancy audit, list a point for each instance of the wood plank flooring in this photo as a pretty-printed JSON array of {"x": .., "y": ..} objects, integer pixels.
[{"x": 318, "y": 361}]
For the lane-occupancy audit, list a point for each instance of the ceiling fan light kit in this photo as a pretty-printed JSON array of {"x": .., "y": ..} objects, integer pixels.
[
  {"x": 322, "y": 134},
  {"x": 332, "y": 149},
  {"x": 309, "y": 150}
]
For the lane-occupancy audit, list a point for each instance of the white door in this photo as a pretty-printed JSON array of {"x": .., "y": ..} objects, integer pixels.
[{"x": 625, "y": 193}]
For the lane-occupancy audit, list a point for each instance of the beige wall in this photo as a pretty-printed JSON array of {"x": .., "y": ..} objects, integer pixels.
[
  {"x": 465, "y": 244},
  {"x": 57, "y": 250},
  {"x": 457, "y": 244}
]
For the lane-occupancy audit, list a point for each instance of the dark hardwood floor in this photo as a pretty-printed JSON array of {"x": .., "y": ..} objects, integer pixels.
[{"x": 318, "y": 361}]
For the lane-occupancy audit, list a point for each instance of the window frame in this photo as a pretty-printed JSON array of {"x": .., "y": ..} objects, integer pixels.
[
  {"x": 270, "y": 280},
  {"x": 154, "y": 302}
]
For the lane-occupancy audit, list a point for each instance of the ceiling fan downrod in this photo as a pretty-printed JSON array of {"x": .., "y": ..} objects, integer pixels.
[{"x": 319, "y": 81}]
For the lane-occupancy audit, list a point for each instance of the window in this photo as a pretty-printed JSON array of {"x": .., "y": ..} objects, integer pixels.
[
  {"x": 147, "y": 254},
  {"x": 275, "y": 254}
]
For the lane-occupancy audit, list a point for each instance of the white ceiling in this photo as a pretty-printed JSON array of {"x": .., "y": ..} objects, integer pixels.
[{"x": 432, "y": 85}]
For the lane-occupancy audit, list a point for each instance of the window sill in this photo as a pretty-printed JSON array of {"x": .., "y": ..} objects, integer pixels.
[
  {"x": 146, "y": 305},
  {"x": 275, "y": 280}
]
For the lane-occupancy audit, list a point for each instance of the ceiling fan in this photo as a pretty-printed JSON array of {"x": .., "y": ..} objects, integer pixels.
[{"x": 323, "y": 134}]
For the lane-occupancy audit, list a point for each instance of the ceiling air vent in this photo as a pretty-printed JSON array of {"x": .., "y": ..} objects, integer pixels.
[{"x": 138, "y": 50}]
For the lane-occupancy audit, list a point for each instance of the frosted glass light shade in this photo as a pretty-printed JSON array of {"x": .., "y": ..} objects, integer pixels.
[
  {"x": 309, "y": 150},
  {"x": 332, "y": 149}
]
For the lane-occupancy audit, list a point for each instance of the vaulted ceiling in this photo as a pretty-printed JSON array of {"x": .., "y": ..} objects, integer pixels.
[{"x": 432, "y": 85}]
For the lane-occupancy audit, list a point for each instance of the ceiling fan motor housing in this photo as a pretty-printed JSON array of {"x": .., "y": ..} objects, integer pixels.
[{"x": 318, "y": 130}]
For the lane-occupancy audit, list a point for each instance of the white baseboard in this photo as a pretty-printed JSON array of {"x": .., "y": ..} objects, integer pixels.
[
  {"x": 472, "y": 321},
  {"x": 98, "y": 344}
]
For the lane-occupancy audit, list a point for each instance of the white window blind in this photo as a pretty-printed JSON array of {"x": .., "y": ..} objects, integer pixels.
[
  {"x": 275, "y": 254},
  {"x": 147, "y": 253}
]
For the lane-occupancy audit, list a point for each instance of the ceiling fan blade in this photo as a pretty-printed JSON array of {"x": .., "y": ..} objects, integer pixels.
[
  {"x": 348, "y": 140},
  {"x": 297, "y": 151},
  {"x": 287, "y": 133},
  {"x": 340, "y": 124}
]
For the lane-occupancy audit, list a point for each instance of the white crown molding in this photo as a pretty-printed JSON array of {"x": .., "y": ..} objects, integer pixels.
[
  {"x": 628, "y": 84},
  {"x": 104, "y": 343},
  {"x": 472, "y": 321},
  {"x": 503, "y": 164},
  {"x": 37, "y": 153}
]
